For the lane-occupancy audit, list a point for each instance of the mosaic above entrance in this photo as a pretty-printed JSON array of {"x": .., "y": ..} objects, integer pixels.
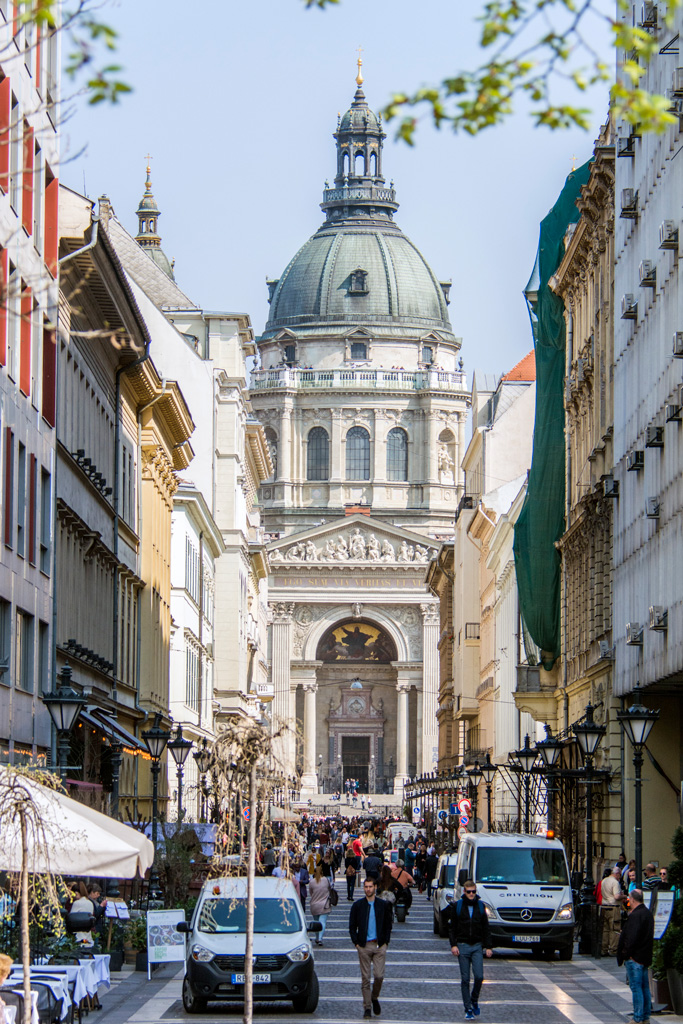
[{"x": 356, "y": 641}]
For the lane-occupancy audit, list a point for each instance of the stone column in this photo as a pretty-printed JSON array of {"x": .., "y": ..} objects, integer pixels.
[
  {"x": 283, "y": 719},
  {"x": 460, "y": 450},
  {"x": 379, "y": 468},
  {"x": 430, "y": 686},
  {"x": 402, "y": 690},
  {"x": 433, "y": 431},
  {"x": 309, "y": 780},
  {"x": 285, "y": 453}
]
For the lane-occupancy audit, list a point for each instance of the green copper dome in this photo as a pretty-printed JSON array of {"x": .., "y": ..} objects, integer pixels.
[{"x": 358, "y": 268}]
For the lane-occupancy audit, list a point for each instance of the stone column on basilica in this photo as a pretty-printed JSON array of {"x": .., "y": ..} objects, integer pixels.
[
  {"x": 285, "y": 448},
  {"x": 430, "y": 686},
  {"x": 402, "y": 738},
  {"x": 460, "y": 450},
  {"x": 283, "y": 719},
  {"x": 309, "y": 779},
  {"x": 433, "y": 430}
]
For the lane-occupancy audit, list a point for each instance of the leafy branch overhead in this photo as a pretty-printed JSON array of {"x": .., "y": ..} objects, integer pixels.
[
  {"x": 543, "y": 51},
  {"x": 87, "y": 37}
]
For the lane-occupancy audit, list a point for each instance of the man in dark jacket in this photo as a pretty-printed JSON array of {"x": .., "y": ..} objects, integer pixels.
[
  {"x": 468, "y": 929},
  {"x": 370, "y": 931},
  {"x": 635, "y": 950},
  {"x": 373, "y": 864},
  {"x": 431, "y": 864}
]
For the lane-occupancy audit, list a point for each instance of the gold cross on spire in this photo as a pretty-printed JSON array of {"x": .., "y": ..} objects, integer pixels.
[
  {"x": 148, "y": 158},
  {"x": 359, "y": 76},
  {"x": 573, "y": 163}
]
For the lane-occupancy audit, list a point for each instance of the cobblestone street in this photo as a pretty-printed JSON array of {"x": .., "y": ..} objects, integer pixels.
[{"x": 422, "y": 984}]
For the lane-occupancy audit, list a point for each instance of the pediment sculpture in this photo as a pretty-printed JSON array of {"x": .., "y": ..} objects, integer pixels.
[{"x": 354, "y": 547}]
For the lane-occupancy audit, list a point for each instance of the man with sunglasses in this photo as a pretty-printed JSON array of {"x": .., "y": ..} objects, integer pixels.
[{"x": 470, "y": 938}]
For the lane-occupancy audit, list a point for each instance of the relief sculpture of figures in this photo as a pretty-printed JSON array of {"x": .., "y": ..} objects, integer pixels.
[
  {"x": 403, "y": 552},
  {"x": 311, "y": 551},
  {"x": 373, "y": 548},
  {"x": 357, "y": 545},
  {"x": 355, "y": 548},
  {"x": 388, "y": 553},
  {"x": 341, "y": 551}
]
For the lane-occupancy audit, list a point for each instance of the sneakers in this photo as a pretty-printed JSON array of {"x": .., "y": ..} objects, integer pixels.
[
  {"x": 376, "y": 1007},
  {"x": 475, "y": 1009},
  {"x": 469, "y": 1015},
  {"x": 367, "y": 1013}
]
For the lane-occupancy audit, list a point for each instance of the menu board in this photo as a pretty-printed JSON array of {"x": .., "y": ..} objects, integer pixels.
[
  {"x": 662, "y": 912},
  {"x": 164, "y": 943}
]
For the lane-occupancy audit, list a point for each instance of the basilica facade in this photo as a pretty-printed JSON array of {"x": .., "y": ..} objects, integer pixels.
[{"x": 364, "y": 402}]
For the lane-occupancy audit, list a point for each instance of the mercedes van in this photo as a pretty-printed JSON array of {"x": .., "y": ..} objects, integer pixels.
[
  {"x": 523, "y": 881},
  {"x": 283, "y": 965}
]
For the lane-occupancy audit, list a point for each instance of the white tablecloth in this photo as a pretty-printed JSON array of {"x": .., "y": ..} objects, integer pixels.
[
  {"x": 59, "y": 986},
  {"x": 100, "y": 963},
  {"x": 34, "y": 1002},
  {"x": 81, "y": 977}
]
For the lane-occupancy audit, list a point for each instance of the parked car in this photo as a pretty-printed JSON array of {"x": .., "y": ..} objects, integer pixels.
[
  {"x": 284, "y": 966},
  {"x": 443, "y": 892}
]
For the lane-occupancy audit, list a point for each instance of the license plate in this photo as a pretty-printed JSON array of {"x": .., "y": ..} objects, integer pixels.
[
  {"x": 258, "y": 979},
  {"x": 526, "y": 938}
]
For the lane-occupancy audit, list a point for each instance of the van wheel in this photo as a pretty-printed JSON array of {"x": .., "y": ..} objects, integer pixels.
[
  {"x": 191, "y": 1002},
  {"x": 308, "y": 1003},
  {"x": 567, "y": 952}
]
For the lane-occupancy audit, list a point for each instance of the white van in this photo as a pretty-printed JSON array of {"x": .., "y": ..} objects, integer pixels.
[
  {"x": 216, "y": 940},
  {"x": 524, "y": 883},
  {"x": 443, "y": 892}
]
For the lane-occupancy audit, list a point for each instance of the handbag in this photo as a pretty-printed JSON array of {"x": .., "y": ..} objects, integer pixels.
[
  {"x": 350, "y": 871},
  {"x": 333, "y": 897}
]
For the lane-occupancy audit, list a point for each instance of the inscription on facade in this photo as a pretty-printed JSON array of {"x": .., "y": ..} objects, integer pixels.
[{"x": 346, "y": 582}]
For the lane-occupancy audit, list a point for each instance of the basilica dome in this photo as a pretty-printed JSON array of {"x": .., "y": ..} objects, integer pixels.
[{"x": 359, "y": 269}]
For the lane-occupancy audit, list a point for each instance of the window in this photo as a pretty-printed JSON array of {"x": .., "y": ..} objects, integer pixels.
[
  {"x": 13, "y": 321},
  {"x": 359, "y": 350},
  {"x": 192, "y": 678},
  {"x": 15, "y": 148},
  {"x": 191, "y": 570},
  {"x": 397, "y": 454},
  {"x": 289, "y": 352},
  {"x": 23, "y": 660},
  {"x": 32, "y": 507},
  {"x": 318, "y": 455},
  {"x": 271, "y": 439},
  {"x": 358, "y": 283},
  {"x": 128, "y": 483},
  {"x": 21, "y": 499},
  {"x": 43, "y": 657},
  {"x": 357, "y": 454},
  {"x": 427, "y": 354},
  {"x": 8, "y": 497},
  {"x": 5, "y": 639},
  {"x": 45, "y": 520}
]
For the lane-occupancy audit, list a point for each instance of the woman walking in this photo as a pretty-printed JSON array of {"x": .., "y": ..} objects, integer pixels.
[
  {"x": 350, "y": 872},
  {"x": 319, "y": 892}
]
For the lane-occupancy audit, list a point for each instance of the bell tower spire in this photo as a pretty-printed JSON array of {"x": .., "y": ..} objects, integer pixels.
[{"x": 148, "y": 238}]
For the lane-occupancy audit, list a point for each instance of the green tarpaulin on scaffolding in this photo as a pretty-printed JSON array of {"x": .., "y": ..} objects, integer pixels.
[{"x": 541, "y": 521}]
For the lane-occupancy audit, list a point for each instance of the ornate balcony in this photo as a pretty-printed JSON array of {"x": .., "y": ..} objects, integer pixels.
[{"x": 295, "y": 379}]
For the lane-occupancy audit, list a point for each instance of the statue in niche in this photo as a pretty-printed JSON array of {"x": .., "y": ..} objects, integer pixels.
[
  {"x": 445, "y": 464},
  {"x": 357, "y": 545},
  {"x": 373, "y": 548},
  {"x": 388, "y": 553}
]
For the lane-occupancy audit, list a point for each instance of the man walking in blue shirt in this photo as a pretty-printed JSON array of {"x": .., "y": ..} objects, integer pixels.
[
  {"x": 468, "y": 928},
  {"x": 370, "y": 931}
]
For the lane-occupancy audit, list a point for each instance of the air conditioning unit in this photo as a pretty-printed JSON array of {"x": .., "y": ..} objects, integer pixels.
[
  {"x": 677, "y": 344},
  {"x": 629, "y": 307},
  {"x": 668, "y": 235},
  {"x": 610, "y": 487},
  {"x": 654, "y": 437},
  {"x": 634, "y": 634},
  {"x": 672, "y": 412},
  {"x": 652, "y": 508},
  {"x": 629, "y": 203},
  {"x": 635, "y": 460},
  {"x": 626, "y": 146},
  {"x": 209, "y": 650},
  {"x": 648, "y": 15},
  {"x": 647, "y": 273},
  {"x": 677, "y": 82},
  {"x": 606, "y": 652},
  {"x": 659, "y": 617}
]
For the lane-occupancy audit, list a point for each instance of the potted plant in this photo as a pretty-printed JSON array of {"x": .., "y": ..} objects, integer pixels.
[{"x": 135, "y": 941}]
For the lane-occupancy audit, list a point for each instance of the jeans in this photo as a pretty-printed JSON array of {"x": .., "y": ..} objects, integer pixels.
[
  {"x": 470, "y": 956},
  {"x": 640, "y": 989},
  {"x": 350, "y": 885},
  {"x": 323, "y": 918}
]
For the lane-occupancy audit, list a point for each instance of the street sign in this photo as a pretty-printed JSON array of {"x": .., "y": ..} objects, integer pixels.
[
  {"x": 453, "y": 809},
  {"x": 462, "y": 831},
  {"x": 442, "y": 815},
  {"x": 246, "y": 812},
  {"x": 417, "y": 813}
]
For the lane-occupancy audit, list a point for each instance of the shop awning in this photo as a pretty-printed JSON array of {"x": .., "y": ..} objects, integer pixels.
[{"x": 99, "y": 718}]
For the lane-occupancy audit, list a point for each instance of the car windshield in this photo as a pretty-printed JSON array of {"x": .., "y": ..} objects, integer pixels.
[
  {"x": 271, "y": 916},
  {"x": 450, "y": 874},
  {"x": 530, "y": 865}
]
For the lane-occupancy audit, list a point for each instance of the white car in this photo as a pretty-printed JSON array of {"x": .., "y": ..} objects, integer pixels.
[
  {"x": 443, "y": 892},
  {"x": 216, "y": 939}
]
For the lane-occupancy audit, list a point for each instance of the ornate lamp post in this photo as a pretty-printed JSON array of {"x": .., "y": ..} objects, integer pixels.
[
  {"x": 475, "y": 776},
  {"x": 64, "y": 705},
  {"x": 202, "y": 756},
  {"x": 550, "y": 750},
  {"x": 180, "y": 750},
  {"x": 588, "y": 735},
  {"x": 637, "y": 722},
  {"x": 488, "y": 770},
  {"x": 155, "y": 740},
  {"x": 525, "y": 758}
]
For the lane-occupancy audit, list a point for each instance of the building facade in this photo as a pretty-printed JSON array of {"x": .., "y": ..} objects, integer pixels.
[{"x": 364, "y": 403}]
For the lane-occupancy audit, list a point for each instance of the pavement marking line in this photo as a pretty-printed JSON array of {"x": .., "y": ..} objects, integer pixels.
[
  {"x": 355, "y": 980},
  {"x": 162, "y": 996},
  {"x": 556, "y": 996},
  {"x": 608, "y": 981}
]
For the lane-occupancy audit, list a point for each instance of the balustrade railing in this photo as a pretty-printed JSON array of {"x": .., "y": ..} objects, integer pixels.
[{"x": 387, "y": 380}]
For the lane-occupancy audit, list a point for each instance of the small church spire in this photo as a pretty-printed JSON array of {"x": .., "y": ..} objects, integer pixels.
[
  {"x": 148, "y": 238},
  {"x": 359, "y": 76}
]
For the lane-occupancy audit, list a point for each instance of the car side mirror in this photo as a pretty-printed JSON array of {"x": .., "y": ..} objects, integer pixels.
[
  {"x": 463, "y": 875},
  {"x": 435, "y": 886},
  {"x": 183, "y": 927},
  {"x": 315, "y": 926}
]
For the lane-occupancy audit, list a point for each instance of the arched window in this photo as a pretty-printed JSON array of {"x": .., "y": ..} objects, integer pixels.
[
  {"x": 397, "y": 454},
  {"x": 345, "y": 164},
  {"x": 271, "y": 439},
  {"x": 373, "y": 165},
  {"x": 357, "y": 454},
  {"x": 318, "y": 456},
  {"x": 359, "y": 164}
]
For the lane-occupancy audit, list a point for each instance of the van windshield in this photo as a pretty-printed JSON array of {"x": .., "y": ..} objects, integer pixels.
[
  {"x": 448, "y": 875},
  {"x": 521, "y": 866},
  {"x": 271, "y": 916}
]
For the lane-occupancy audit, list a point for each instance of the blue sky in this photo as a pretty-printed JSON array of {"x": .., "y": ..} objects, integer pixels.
[{"x": 237, "y": 103}]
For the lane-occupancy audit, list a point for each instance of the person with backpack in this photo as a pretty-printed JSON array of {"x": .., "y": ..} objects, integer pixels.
[
  {"x": 470, "y": 938},
  {"x": 350, "y": 871}
]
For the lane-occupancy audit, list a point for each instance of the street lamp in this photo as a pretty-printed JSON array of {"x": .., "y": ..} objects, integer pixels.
[
  {"x": 588, "y": 735},
  {"x": 525, "y": 758},
  {"x": 488, "y": 770},
  {"x": 475, "y": 776},
  {"x": 550, "y": 750},
  {"x": 64, "y": 705},
  {"x": 202, "y": 756},
  {"x": 180, "y": 750},
  {"x": 637, "y": 722},
  {"x": 155, "y": 740}
]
